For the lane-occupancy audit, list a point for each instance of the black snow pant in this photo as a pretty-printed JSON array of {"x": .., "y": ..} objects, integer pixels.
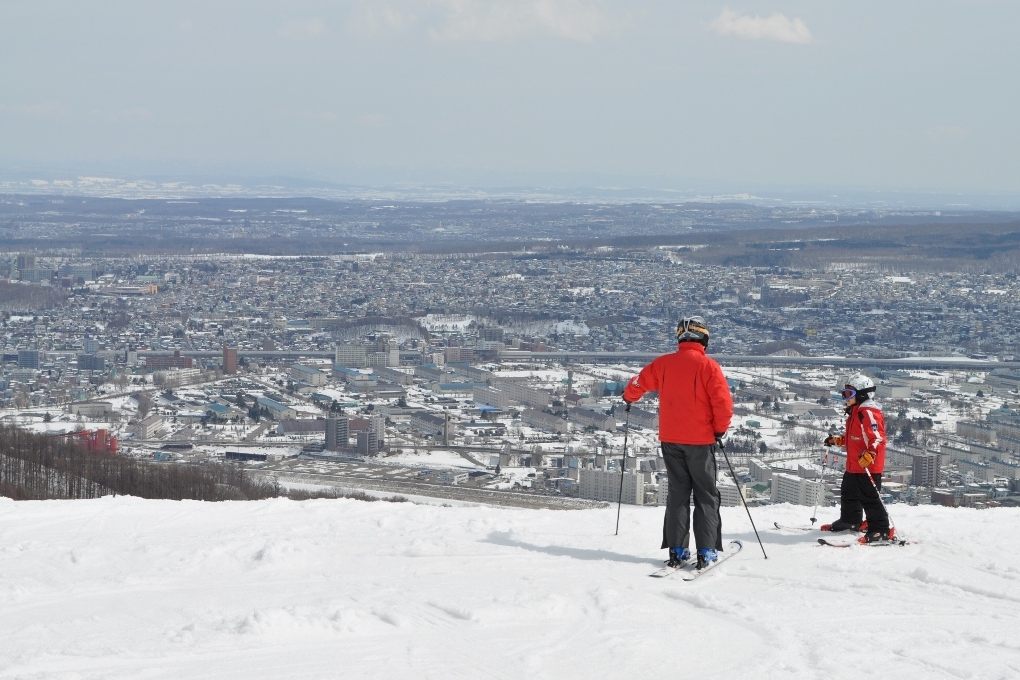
[
  {"x": 691, "y": 469},
  {"x": 858, "y": 496}
]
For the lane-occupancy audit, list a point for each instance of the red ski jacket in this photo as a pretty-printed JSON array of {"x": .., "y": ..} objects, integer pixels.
[
  {"x": 865, "y": 431},
  {"x": 694, "y": 400}
]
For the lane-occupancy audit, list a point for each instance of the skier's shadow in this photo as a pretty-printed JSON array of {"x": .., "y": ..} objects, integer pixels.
[{"x": 504, "y": 538}]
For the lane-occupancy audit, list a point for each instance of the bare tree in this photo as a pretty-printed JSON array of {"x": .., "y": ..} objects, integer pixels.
[{"x": 144, "y": 404}]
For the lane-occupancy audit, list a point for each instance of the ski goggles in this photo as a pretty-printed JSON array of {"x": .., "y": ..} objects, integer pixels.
[{"x": 848, "y": 393}]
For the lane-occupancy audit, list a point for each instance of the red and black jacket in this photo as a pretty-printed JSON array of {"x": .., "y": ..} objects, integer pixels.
[
  {"x": 694, "y": 398},
  {"x": 865, "y": 431}
]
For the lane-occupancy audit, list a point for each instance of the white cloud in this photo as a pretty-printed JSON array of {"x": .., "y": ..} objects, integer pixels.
[
  {"x": 303, "y": 28},
  {"x": 776, "y": 27},
  {"x": 506, "y": 20},
  {"x": 375, "y": 18},
  {"x": 483, "y": 20}
]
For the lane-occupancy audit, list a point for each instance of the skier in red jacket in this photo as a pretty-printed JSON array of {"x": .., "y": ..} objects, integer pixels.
[
  {"x": 695, "y": 408},
  {"x": 864, "y": 439}
]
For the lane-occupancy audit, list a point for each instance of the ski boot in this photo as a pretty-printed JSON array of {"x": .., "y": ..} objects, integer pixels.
[
  {"x": 876, "y": 537},
  {"x": 706, "y": 556},
  {"x": 678, "y": 556},
  {"x": 842, "y": 525}
]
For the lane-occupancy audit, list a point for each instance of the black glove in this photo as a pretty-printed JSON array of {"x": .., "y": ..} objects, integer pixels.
[{"x": 718, "y": 439}]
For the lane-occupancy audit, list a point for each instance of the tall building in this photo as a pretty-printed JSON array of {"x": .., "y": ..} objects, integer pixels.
[
  {"x": 91, "y": 362},
  {"x": 26, "y": 261},
  {"x": 29, "y": 358},
  {"x": 229, "y": 359},
  {"x": 352, "y": 356},
  {"x": 337, "y": 433},
  {"x": 368, "y": 445},
  {"x": 925, "y": 469},
  {"x": 492, "y": 334},
  {"x": 91, "y": 345}
]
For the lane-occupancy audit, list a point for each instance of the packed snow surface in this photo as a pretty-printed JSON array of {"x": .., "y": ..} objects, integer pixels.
[{"x": 127, "y": 588}]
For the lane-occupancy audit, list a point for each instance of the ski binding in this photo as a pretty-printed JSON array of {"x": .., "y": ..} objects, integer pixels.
[{"x": 689, "y": 569}]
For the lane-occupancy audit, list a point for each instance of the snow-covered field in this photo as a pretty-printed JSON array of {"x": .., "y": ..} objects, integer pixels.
[{"x": 127, "y": 588}]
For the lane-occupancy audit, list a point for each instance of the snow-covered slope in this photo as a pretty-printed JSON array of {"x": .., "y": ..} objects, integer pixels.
[{"x": 126, "y": 588}]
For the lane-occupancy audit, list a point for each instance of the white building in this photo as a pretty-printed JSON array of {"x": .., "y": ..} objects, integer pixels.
[
  {"x": 759, "y": 470},
  {"x": 352, "y": 356},
  {"x": 149, "y": 427},
  {"x": 528, "y": 396},
  {"x": 544, "y": 421},
  {"x": 730, "y": 494},
  {"x": 604, "y": 485},
  {"x": 308, "y": 375},
  {"x": 452, "y": 477},
  {"x": 490, "y": 397},
  {"x": 793, "y": 489}
]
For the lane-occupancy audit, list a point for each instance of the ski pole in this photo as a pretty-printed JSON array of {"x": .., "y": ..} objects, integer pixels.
[
  {"x": 814, "y": 513},
  {"x": 733, "y": 474},
  {"x": 878, "y": 493},
  {"x": 623, "y": 468}
]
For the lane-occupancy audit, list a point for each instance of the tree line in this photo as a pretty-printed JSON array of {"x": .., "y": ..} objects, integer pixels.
[{"x": 39, "y": 467}]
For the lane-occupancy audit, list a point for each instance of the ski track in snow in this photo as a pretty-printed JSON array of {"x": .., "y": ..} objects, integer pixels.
[{"x": 127, "y": 588}]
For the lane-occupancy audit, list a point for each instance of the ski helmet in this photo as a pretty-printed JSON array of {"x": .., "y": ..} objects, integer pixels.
[
  {"x": 858, "y": 385},
  {"x": 692, "y": 329}
]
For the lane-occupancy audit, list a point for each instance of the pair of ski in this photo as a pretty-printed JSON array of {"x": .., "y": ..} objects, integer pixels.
[
  {"x": 689, "y": 568},
  {"x": 840, "y": 544}
]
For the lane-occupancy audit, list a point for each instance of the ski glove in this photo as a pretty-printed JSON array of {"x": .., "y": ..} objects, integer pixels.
[
  {"x": 866, "y": 459},
  {"x": 833, "y": 440}
]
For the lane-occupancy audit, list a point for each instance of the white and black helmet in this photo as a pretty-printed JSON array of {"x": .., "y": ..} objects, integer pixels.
[
  {"x": 692, "y": 329},
  {"x": 860, "y": 385},
  {"x": 860, "y": 382}
]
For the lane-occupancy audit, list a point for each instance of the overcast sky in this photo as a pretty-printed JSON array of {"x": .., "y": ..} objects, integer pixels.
[{"x": 890, "y": 94}]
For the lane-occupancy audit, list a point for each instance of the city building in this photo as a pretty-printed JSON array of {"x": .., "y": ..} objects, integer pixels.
[
  {"x": 352, "y": 356},
  {"x": 91, "y": 362},
  {"x": 337, "y": 434},
  {"x": 729, "y": 494},
  {"x": 160, "y": 363},
  {"x": 528, "y": 396},
  {"x": 148, "y": 427},
  {"x": 277, "y": 410},
  {"x": 788, "y": 488},
  {"x": 229, "y": 359},
  {"x": 925, "y": 469},
  {"x": 490, "y": 396},
  {"x": 541, "y": 420},
  {"x": 29, "y": 358},
  {"x": 604, "y": 485},
  {"x": 368, "y": 444},
  {"x": 308, "y": 375}
]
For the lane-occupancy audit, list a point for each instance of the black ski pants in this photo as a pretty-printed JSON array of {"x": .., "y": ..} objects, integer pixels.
[
  {"x": 858, "y": 496},
  {"x": 692, "y": 471}
]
